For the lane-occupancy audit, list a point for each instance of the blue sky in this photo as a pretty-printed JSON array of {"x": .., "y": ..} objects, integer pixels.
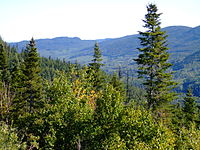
[{"x": 88, "y": 19}]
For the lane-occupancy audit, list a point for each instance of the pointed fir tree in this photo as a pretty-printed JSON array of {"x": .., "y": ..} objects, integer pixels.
[
  {"x": 152, "y": 61},
  {"x": 95, "y": 68},
  {"x": 96, "y": 62},
  {"x": 28, "y": 101},
  {"x": 17, "y": 87},
  {"x": 32, "y": 79},
  {"x": 190, "y": 107}
]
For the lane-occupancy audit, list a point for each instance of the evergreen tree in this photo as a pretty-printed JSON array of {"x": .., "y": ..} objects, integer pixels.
[
  {"x": 190, "y": 107},
  {"x": 32, "y": 81},
  {"x": 117, "y": 84},
  {"x": 28, "y": 101},
  {"x": 96, "y": 62},
  {"x": 17, "y": 88},
  {"x": 95, "y": 71},
  {"x": 152, "y": 61},
  {"x": 4, "y": 74},
  {"x": 16, "y": 74},
  {"x": 177, "y": 118}
]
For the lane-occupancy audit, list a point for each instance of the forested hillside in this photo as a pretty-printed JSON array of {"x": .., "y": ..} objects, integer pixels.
[
  {"x": 55, "y": 104},
  {"x": 187, "y": 72},
  {"x": 183, "y": 42}
]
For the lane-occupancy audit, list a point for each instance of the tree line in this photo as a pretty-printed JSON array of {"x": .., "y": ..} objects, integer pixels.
[{"x": 54, "y": 104}]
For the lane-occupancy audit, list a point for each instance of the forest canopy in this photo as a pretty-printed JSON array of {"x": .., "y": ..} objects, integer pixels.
[{"x": 49, "y": 103}]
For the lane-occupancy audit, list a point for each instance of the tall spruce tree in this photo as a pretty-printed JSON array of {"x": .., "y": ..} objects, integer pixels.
[
  {"x": 17, "y": 87},
  {"x": 95, "y": 68},
  {"x": 32, "y": 78},
  {"x": 96, "y": 62},
  {"x": 152, "y": 61}
]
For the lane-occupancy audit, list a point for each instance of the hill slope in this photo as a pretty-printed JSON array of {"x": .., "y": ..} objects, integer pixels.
[{"x": 187, "y": 72}]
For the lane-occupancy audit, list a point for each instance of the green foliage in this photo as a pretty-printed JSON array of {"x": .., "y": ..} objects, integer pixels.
[
  {"x": 177, "y": 117},
  {"x": 9, "y": 139},
  {"x": 188, "y": 138},
  {"x": 109, "y": 106},
  {"x": 4, "y": 73},
  {"x": 141, "y": 131},
  {"x": 96, "y": 62},
  {"x": 50, "y": 66},
  {"x": 113, "y": 142},
  {"x": 67, "y": 112},
  {"x": 6, "y": 99},
  {"x": 95, "y": 71},
  {"x": 27, "y": 88},
  {"x": 3, "y": 58},
  {"x": 134, "y": 88},
  {"x": 117, "y": 84},
  {"x": 17, "y": 78},
  {"x": 152, "y": 61},
  {"x": 54, "y": 104},
  {"x": 32, "y": 80},
  {"x": 190, "y": 108}
]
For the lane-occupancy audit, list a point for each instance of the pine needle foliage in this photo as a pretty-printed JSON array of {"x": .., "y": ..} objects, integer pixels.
[{"x": 153, "y": 61}]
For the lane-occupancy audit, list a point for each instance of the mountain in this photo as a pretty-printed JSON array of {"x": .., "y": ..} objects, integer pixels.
[
  {"x": 58, "y": 46},
  {"x": 182, "y": 41}
]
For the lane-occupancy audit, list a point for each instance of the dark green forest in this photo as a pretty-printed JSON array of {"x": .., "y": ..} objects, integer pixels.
[{"x": 54, "y": 104}]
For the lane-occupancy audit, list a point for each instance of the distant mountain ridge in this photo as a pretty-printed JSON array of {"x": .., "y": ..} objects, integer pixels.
[{"x": 183, "y": 41}]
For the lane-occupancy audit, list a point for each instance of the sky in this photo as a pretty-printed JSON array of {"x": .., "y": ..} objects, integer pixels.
[{"x": 88, "y": 19}]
